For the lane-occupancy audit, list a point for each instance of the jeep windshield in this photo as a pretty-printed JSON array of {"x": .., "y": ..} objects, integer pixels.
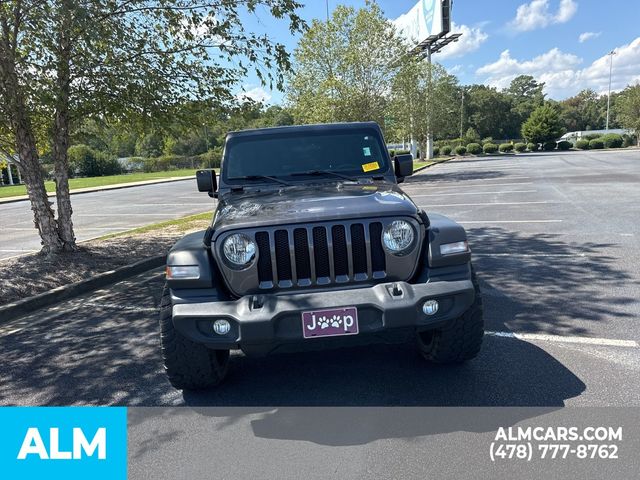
[{"x": 299, "y": 153}]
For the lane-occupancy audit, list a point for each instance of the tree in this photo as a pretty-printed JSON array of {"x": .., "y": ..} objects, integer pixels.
[
  {"x": 489, "y": 112},
  {"x": 127, "y": 60},
  {"x": 409, "y": 101},
  {"x": 526, "y": 94},
  {"x": 543, "y": 125},
  {"x": 344, "y": 68},
  {"x": 628, "y": 109},
  {"x": 584, "y": 111}
]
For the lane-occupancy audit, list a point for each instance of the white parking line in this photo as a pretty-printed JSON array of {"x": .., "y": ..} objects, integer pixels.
[
  {"x": 530, "y": 255},
  {"x": 483, "y": 204},
  {"x": 509, "y": 221},
  {"x": 610, "y": 342},
  {"x": 465, "y": 185},
  {"x": 472, "y": 193}
]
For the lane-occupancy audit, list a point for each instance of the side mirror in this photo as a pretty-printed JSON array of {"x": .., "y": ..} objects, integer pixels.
[
  {"x": 207, "y": 181},
  {"x": 403, "y": 166}
]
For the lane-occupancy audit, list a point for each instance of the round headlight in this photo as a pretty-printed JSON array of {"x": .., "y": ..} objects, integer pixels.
[
  {"x": 398, "y": 236},
  {"x": 239, "y": 250}
]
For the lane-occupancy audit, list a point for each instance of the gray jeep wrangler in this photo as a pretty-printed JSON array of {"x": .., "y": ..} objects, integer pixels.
[{"x": 314, "y": 246}]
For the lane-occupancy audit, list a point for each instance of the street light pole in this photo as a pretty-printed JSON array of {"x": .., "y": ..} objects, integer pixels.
[
  {"x": 611, "y": 54},
  {"x": 429, "y": 153},
  {"x": 462, "y": 113}
]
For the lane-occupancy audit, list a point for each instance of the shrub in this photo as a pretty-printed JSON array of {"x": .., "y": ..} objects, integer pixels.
[
  {"x": 591, "y": 136},
  {"x": 474, "y": 148},
  {"x": 489, "y": 148},
  {"x": 487, "y": 140},
  {"x": 582, "y": 144},
  {"x": 446, "y": 150},
  {"x": 461, "y": 150},
  {"x": 212, "y": 158},
  {"x": 612, "y": 140},
  {"x": 436, "y": 151},
  {"x": 87, "y": 162},
  {"x": 596, "y": 144},
  {"x": 532, "y": 147},
  {"x": 505, "y": 147},
  {"x": 520, "y": 147},
  {"x": 564, "y": 145},
  {"x": 549, "y": 146},
  {"x": 627, "y": 140}
]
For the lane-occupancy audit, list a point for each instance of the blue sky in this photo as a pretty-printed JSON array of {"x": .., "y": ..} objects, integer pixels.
[{"x": 561, "y": 42}]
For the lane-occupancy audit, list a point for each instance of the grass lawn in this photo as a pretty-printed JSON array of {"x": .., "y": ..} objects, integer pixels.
[
  {"x": 15, "y": 190},
  {"x": 417, "y": 165},
  {"x": 199, "y": 221}
]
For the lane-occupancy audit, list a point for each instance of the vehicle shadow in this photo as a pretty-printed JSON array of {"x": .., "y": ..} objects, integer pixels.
[
  {"x": 452, "y": 177},
  {"x": 540, "y": 283}
]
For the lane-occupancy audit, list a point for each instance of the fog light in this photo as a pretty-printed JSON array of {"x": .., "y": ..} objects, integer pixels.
[
  {"x": 430, "y": 307},
  {"x": 221, "y": 327}
]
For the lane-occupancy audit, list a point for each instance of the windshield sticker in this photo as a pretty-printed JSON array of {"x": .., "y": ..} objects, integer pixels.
[
  {"x": 367, "y": 167},
  {"x": 366, "y": 151}
]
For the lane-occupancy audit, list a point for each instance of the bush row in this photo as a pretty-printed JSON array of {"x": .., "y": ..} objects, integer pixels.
[{"x": 609, "y": 140}]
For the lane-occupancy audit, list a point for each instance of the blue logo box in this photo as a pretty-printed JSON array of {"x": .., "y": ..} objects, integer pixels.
[{"x": 63, "y": 442}]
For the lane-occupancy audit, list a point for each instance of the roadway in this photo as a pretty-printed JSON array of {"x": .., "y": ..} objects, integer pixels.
[{"x": 103, "y": 212}]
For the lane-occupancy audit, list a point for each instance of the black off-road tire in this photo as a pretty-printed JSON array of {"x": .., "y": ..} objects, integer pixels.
[
  {"x": 461, "y": 339},
  {"x": 189, "y": 365}
]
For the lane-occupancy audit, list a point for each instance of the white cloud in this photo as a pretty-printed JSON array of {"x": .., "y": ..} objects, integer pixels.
[
  {"x": 257, "y": 94},
  {"x": 588, "y": 36},
  {"x": 536, "y": 14},
  {"x": 470, "y": 41},
  {"x": 561, "y": 73}
]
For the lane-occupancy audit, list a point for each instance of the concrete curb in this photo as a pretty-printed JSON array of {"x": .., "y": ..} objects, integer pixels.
[
  {"x": 116, "y": 186},
  {"x": 65, "y": 292}
]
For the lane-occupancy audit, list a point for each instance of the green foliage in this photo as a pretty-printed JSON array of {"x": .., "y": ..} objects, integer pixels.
[
  {"x": 585, "y": 111},
  {"x": 474, "y": 148},
  {"x": 549, "y": 146},
  {"x": 150, "y": 145},
  {"x": 612, "y": 140},
  {"x": 461, "y": 150},
  {"x": 211, "y": 158},
  {"x": 446, "y": 150},
  {"x": 489, "y": 148},
  {"x": 596, "y": 144},
  {"x": 628, "y": 140},
  {"x": 436, "y": 151},
  {"x": 543, "y": 125},
  {"x": 344, "y": 68},
  {"x": 582, "y": 144},
  {"x": 532, "y": 147},
  {"x": 591, "y": 136},
  {"x": 564, "y": 145},
  {"x": 627, "y": 108},
  {"x": 506, "y": 147},
  {"x": 520, "y": 147},
  {"x": 471, "y": 136},
  {"x": 86, "y": 162}
]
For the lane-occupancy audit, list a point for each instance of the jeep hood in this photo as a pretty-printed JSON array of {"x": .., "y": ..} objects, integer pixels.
[{"x": 310, "y": 203}]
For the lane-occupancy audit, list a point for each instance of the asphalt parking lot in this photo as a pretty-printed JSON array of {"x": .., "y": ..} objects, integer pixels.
[{"x": 555, "y": 244}]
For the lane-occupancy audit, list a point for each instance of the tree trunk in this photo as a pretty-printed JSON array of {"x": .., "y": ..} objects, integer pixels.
[
  {"x": 29, "y": 163},
  {"x": 61, "y": 136}
]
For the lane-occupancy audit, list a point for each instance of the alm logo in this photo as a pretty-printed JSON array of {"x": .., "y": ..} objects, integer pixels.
[{"x": 34, "y": 445}]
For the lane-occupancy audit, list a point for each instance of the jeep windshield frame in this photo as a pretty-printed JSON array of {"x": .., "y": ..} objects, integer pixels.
[{"x": 351, "y": 151}]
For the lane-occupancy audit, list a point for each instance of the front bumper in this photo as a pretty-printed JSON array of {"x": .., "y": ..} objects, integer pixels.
[{"x": 261, "y": 324}]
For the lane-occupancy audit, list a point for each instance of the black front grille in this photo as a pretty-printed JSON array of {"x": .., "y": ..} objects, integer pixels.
[{"x": 320, "y": 255}]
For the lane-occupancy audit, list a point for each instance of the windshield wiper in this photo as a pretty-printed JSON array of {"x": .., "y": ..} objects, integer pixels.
[
  {"x": 323, "y": 172},
  {"x": 260, "y": 177}
]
